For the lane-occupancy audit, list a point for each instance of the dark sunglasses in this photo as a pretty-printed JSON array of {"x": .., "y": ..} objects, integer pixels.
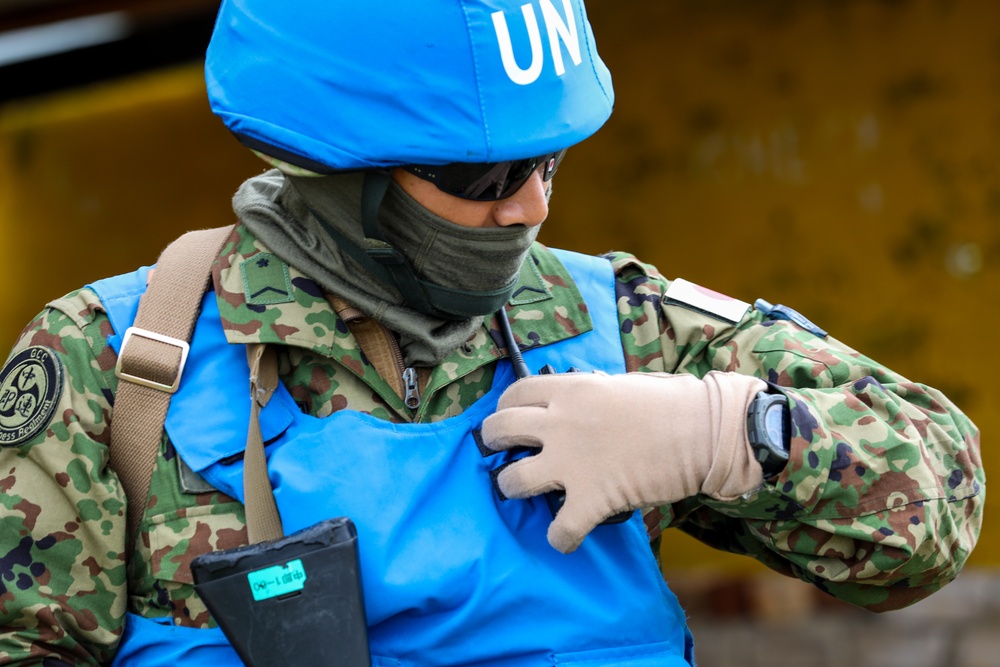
[{"x": 486, "y": 181}]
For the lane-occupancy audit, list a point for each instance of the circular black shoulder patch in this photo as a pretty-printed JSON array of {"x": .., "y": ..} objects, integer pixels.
[{"x": 30, "y": 385}]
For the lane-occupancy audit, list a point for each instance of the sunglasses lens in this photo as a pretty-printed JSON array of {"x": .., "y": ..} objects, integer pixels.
[{"x": 486, "y": 181}]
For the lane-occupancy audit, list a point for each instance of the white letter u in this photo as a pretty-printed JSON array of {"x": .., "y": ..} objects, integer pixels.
[{"x": 517, "y": 75}]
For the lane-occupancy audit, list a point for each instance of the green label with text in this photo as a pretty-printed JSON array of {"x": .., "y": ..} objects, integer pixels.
[{"x": 277, "y": 580}]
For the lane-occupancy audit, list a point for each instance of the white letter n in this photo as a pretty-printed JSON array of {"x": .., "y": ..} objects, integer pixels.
[{"x": 557, "y": 29}]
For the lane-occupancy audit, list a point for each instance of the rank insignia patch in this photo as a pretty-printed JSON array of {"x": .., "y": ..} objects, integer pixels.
[
  {"x": 30, "y": 385},
  {"x": 266, "y": 280}
]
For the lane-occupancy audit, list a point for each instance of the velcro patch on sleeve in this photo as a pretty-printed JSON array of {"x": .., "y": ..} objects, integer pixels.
[
  {"x": 688, "y": 295},
  {"x": 30, "y": 386}
]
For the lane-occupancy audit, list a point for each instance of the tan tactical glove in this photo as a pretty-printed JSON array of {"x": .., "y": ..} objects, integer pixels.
[{"x": 618, "y": 442}]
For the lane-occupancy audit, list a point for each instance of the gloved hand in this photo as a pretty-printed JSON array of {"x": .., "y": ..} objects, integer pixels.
[{"x": 618, "y": 442}]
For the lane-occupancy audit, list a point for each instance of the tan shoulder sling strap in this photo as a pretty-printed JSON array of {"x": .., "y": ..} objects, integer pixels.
[{"x": 150, "y": 365}]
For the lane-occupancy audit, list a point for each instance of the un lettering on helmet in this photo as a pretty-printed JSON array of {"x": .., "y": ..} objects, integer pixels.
[{"x": 560, "y": 30}]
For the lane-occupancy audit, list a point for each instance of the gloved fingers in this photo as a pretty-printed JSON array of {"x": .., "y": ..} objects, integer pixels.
[
  {"x": 514, "y": 427},
  {"x": 539, "y": 389},
  {"x": 573, "y": 523},
  {"x": 527, "y": 477}
]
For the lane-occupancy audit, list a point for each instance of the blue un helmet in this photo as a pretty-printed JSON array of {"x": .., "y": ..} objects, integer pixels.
[{"x": 330, "y": 85}]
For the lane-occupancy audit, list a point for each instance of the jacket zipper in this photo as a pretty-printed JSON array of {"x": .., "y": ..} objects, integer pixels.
[
  {"x": 410, "y": 381},
  {"x": 411, "y": 390}
]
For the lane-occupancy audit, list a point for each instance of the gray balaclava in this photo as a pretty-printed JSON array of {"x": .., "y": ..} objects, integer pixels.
[{"x": 301, "y": 218}]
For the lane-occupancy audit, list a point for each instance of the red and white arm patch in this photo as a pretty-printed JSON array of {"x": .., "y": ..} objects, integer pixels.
[{"x": 688, "y": 295}]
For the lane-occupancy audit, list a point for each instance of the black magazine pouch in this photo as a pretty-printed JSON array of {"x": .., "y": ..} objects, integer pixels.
[{"x": 295, "y": 601}]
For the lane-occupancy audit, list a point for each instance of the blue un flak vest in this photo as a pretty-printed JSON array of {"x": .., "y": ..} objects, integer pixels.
[{"x": 451, "y": 574}]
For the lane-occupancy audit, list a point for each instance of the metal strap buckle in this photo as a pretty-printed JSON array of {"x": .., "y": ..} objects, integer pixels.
[{"x": 160, "y": 338}]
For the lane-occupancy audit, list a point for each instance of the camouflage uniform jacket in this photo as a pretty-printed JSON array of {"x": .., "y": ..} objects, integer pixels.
[{"x": 880, "y": 504}]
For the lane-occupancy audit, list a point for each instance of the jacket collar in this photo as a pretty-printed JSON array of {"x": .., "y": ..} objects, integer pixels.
[{"x": 262, "y": 299}]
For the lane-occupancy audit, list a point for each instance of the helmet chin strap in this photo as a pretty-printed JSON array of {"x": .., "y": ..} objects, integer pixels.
[{"x": 389, "y": 265}]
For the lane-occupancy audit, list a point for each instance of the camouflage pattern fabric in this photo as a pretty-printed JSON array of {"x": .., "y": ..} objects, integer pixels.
[{"x": 880, "y": 504}]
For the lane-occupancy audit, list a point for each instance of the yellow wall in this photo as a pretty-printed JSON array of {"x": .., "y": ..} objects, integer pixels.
[
  {"x": 840, "y": 157},
  {"x": 95, "y": 182}
]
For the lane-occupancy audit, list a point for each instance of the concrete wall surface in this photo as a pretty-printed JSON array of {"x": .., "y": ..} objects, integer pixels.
[{"x": 760, "y": 621}]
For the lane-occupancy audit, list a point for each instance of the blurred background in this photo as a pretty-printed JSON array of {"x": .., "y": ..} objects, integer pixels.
[{"x": 839, "y": 156}]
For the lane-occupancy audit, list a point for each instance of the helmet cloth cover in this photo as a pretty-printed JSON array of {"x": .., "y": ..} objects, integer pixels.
[{"x": 329, "y": 85}]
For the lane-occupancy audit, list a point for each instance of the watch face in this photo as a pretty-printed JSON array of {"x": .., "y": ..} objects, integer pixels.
[{"x": 774, "y": 424}]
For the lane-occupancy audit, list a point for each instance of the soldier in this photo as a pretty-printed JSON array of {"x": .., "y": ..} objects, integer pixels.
[{"x": 415, "y": 147}]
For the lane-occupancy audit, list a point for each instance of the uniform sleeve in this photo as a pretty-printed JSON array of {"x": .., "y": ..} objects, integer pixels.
[
  {"x": 881, "y": 502},
  {"x": 62, "y": 511}
]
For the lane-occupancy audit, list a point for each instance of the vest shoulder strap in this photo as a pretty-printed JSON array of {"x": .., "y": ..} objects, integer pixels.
[{"x": 151, "y": 361}]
